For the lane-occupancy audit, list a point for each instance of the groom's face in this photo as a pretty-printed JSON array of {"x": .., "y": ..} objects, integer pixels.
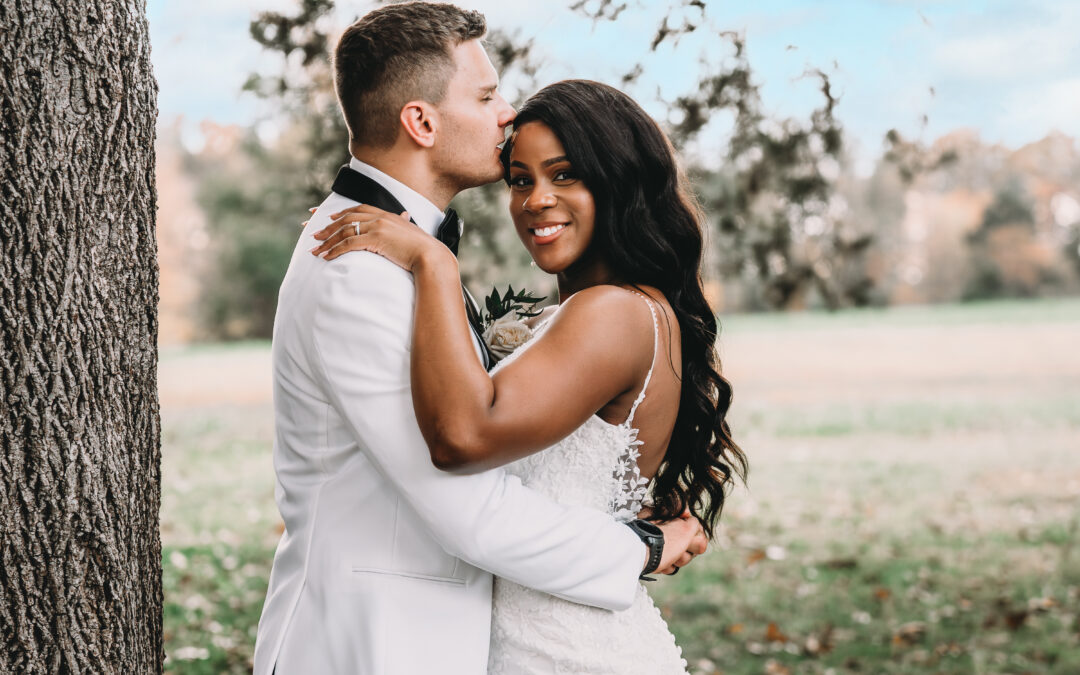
[{"x": 473, "y": 120}]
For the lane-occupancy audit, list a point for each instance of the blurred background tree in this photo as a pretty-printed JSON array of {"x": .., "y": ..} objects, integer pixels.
[
  {"x": 790, "y": 225},
  {"x": 254, "y": 199},
  {"x": 780, "y": 226},
  {"x": 984, "y": 222}
]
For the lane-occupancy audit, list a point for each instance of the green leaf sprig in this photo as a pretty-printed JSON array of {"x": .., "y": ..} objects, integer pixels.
[{"x": 521, "y": 302}]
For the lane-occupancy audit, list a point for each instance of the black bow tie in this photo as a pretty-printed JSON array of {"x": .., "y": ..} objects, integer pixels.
[{"x": 449, "y": 230}]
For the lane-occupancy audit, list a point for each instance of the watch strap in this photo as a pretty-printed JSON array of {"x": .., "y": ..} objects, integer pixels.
[{"x": 653, "y": 537}]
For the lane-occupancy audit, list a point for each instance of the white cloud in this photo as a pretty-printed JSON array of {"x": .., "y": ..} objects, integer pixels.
[
  {"x": 1040, "y": 108},
  {"x": 761, "y": 24},
  {"x": 992, "y": 57},
  {"x": 1044, "y": 42}
]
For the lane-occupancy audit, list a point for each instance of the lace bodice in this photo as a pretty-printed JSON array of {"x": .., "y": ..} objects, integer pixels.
[
  {"x": 533, "y": 633},
  {"x": 596, "y": 465}
]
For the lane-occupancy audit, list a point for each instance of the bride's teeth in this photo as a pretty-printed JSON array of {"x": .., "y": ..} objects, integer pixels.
[{"x": 547, "y": 231}]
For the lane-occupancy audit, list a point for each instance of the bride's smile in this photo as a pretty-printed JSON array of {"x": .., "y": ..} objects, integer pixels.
[{"x": 545, "y": 233}]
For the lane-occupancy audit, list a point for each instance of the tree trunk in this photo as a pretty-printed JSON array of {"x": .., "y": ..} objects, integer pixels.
[{"x": 80, "y": 487}]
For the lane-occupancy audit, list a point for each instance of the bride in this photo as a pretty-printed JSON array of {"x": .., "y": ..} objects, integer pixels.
[{"x": 616, "y": 401}]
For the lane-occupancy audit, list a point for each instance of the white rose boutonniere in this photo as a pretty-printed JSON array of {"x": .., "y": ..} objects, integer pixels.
[
  {"x": 504, "y": 328},
  {"x": 506, "y": 334}
]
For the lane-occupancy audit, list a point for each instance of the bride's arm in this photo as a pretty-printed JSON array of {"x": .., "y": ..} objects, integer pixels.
[
  {"x": 590, "y": 353},
  {"x": 597, "y": 346}
]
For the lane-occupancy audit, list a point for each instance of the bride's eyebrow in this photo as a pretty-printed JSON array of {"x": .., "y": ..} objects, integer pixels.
[{"x": 546, "y": 163}]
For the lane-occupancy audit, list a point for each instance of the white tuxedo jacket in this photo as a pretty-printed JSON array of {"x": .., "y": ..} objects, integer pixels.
[{"x": 381, "y": 568}]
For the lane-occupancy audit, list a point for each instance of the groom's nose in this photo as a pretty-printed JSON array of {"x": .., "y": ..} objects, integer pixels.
[{"x": 507, "y": 113}]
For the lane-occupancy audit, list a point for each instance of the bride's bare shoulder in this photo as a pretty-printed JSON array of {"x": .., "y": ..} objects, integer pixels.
[
  {"x": 620, "y": 299},
  {"x": 603, "y": 299},
  {"x": 614, "y": 311}
]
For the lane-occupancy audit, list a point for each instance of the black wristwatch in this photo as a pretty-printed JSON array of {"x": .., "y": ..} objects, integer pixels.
[{"x": 653, "y": 537}]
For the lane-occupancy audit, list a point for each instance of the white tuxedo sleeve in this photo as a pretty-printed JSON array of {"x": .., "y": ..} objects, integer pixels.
[{"x": 362, "y": 335}]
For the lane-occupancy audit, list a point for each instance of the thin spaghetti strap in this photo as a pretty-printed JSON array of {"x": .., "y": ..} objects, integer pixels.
[{"x": 656, "y": 350}]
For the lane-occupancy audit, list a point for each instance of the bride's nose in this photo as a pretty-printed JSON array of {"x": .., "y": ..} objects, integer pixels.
[{"x": 538, "y": 200}]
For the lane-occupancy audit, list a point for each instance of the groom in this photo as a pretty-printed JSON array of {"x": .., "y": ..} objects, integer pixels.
[{"x": 386, "y": 563}]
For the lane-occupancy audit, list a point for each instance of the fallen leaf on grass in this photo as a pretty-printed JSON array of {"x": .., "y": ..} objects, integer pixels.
[
  {"x": 882, "y": 594},
  {"x": 909, "y": 634},
  {"x": 774, "y": 667},
  {"x": 842, "y": 563},
  {"x": 949, "y": 648},
  {"x": 1014, "y": 620},
  {"x": 819, "y": 644},
  {"x": 735, "y": 629},
  {"x": 1041, "y": 604},
  {"x": 755, "y": 556},
  {"x": 773, "y": 634}
]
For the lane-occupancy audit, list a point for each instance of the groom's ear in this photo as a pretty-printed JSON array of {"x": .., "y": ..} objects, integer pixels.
[{"x": 420, "y": 122}]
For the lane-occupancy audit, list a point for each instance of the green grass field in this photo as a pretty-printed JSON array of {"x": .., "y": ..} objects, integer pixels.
[{"x": 913, "y": 504}]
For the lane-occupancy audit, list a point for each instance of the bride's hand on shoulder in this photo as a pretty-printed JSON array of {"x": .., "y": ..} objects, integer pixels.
[{"x": 368, "y": 228}]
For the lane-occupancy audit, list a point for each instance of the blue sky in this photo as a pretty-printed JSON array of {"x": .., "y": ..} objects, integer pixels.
[{"x": 1010, "y": 70}]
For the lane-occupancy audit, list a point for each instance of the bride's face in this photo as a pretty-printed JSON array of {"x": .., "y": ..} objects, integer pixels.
[{"x": 552, "y": 210}]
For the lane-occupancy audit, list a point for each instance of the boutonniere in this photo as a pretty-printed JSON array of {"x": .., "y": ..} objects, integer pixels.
[{"x": 504, "y": 326}]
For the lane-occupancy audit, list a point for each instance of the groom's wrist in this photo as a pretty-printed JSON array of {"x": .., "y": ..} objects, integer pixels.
[{"x": 653, "y": 538}]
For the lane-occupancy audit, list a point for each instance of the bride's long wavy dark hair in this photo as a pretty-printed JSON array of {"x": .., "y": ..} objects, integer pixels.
[{"x": 649, "y": 231}]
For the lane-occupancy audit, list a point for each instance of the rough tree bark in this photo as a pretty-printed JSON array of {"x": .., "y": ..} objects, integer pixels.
[{"x": 80, "y": 554}]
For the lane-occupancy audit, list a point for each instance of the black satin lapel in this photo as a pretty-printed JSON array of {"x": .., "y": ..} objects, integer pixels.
[{"x": 359, "y": 188}]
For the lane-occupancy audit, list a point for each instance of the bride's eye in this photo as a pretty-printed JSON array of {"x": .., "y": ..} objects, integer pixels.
[
  {"x": 564, "y": 175},
  {"x": 519, "y": 181}
]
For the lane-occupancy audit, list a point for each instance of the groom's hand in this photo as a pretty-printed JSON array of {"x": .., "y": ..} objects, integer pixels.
[{"x": 684, "y": 538}]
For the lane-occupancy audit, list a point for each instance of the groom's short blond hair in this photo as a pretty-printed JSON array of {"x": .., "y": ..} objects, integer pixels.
[{"x": 393, "y": 55}]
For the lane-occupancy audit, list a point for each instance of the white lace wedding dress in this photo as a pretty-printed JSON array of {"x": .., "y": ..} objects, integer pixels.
[{"x": 534, "y": 633}]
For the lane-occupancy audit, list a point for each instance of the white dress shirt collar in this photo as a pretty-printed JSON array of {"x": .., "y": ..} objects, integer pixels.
[{"x": 421, "y": 210}]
